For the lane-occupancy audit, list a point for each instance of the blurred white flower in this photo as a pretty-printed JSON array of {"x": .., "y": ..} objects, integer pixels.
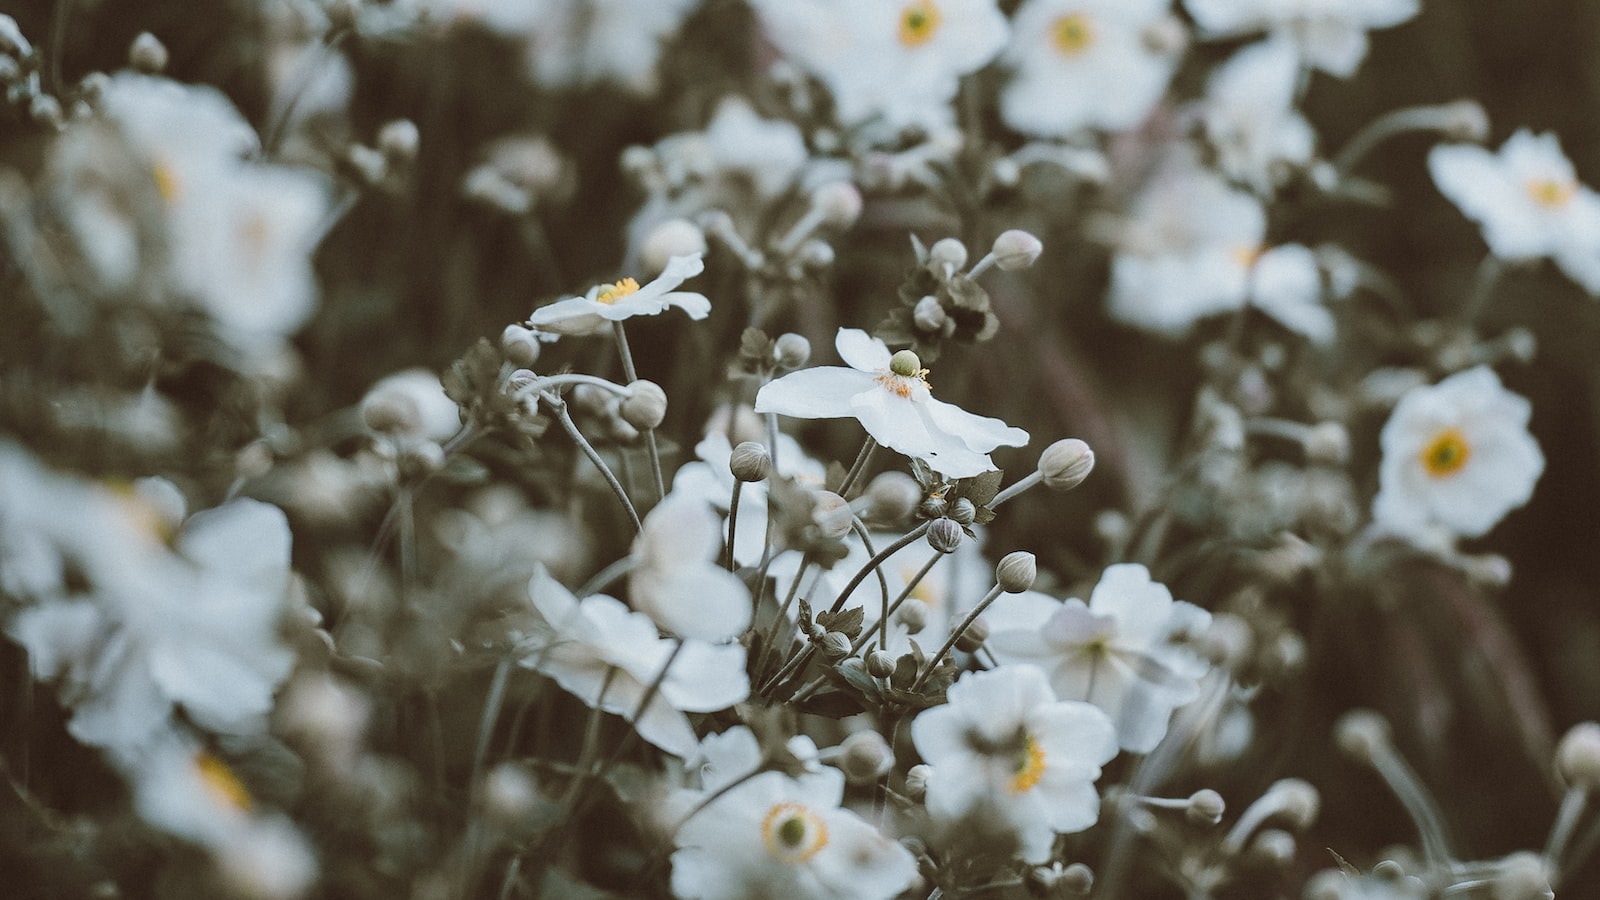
[
  {"x": 1330, "y": 35},
  {"x": 710, "y": 480},
  {"x": 1005, "y": 747},
  {"x": 1250, "y": 117},
  {"x": 625, "y": 299},
  {"x": 1125, "y": 651},
  {"x": 1456, "y": 456},
  {"x": 889, "y": 395},
  {"x": 1084, "y": 64},
  {"x": 895, "y": 62},
  {"x": 770, "y": 152},
  {"x": 675, "y": 577},
  {"x": 608, "y": 656},
  {"x": 583, "y": 42},
  {"x": 412, "y": 403},
  {"x": 1527, "y": 199},
  {"x": 776, "y": 836}
]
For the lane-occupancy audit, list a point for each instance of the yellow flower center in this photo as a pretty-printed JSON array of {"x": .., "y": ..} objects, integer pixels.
[
  {"x": 1072, "y": 34},
  {"x": 168, "y": 185},
  {"x": 224, "y": 786},
  {"x": 613, "y": 293},
  {"x": 905, "y": 370},
  {"x": 1550, "y": 193},
  {"x": 1246, "y": 255},
  {"x": 792, "y": 833},
  {"x": 918, "y": 22},
  {"x": 1029, "y": 767},
  {"x": 1446, "y": 454},
  {"x": 143, "y": 515}
]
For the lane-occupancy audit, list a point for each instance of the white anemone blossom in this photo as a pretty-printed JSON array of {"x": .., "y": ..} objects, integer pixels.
[
  {"x": 1007, "y": 751},
  {"x": 1085, "y": 64},
  {"x": 608, "y": 656},
  {"x": 1330, "y": 35},
  {"x": 675, "y": 577},
  {"x": 889, "y": 396},
  {"x": 1127, "y": 650},
  {"x": 777, "y": 836},
  {"x": 1250, "y": 117},
  {"x": 1528, "y": 201},
  {"x": 1457, "y": 456},
  {"x": 606, "y": 303},
  {"x": 710, "y": 479}
]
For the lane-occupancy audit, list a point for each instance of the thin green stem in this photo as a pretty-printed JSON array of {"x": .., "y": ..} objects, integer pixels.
[
  {"x": 733, "y": 521},
  {"x": 565, "y": 418},
  {"x": 955, "y": 635},
  {"x": 649, "y": 433}
]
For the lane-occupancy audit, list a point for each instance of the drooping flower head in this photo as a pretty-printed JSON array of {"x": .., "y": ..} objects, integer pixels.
[
  {"x": 605, "y": 303},
  {"x": 889, "y": 395}
]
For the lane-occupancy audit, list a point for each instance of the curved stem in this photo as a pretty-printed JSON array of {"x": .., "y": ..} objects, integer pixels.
[
  {"x": 560, "y": 406},
  {"x": 955, "y": 635}
]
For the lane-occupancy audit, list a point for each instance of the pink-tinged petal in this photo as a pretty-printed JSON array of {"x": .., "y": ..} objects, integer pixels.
[
  {"x": 862, "y": 351},
  {"x": 821, "y": 392}
]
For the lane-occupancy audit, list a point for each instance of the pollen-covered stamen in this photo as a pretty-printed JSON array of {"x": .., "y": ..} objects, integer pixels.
[
  {"x": 1550, "y": 192},
  {"x": 613, "y": 293},
  {"x": 792, "y": 833},
  {"x": 220, "y": 782},
  {"x": 1072, "y": 34},
  {"x": 905, "y": 370},
  {"x": 919, "y": 21},
  {"x": 168, "y": 185},
  {"x": 1029, "y": 767},
  {"x": 1446, "y": 454}
]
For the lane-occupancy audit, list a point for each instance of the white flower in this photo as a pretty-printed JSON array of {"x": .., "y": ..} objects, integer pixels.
[
  {"x": 889, "y": 395},
  {"x": 1084, "y": 64},
  {"x": 608, "y": 656},
  {"x": 1250, "y": 116},
  {"x": 676, "y": 579},
  {"x": 582, "y": 42},
  {"x": 895, "y": 61},
  {"x": 1005, "y": 747},
  {"x": 1527, "y": 199},
  {"x": 414, "y": 399},
  {"x": 623, "y": 300},
  {"x": 1125, "y": 651},
  {"x": 770, "y": 152},
  {"x": 1457, "y": 456},
  {"x": 1330, "y": 34},
  {"x": 710, "y": 479},
  {"x": 776, "y": 836}
]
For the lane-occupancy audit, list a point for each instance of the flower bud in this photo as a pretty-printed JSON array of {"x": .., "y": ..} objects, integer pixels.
[
  {"x": 949, "y": 251},
  {"x": 147, "y": 54},
  {"x": 815, "y": 254},
  {"x": 1065, "y": 464},
  {"x": 750, "y": 461},
  {"x": 391, "y": 412},
  {"x": 1228, "y": 641},
  {"x": 1488, "y": 569},
  {"x": 932, "y": 507},
  {"x": 913, "y": 615},
  {"x": 791, "y": 351},
  {"x": 1205, "y": 807},
  {"x": 508, "y": 795},
  {"x": 963, "y": 511},
  {"x": 674, "y": 237},
  {"x": 945, "y": 535},
  {"x": 1016, "y": 572},
  {"x": 46, "y": 110},
  {"x": 370, "y": 166},
  {"x": 834, "y": 645},
  {"x": 520, "y": 346},
  {"x": 839, "y": 203},
  {"x": 892, "y": 496},
  {"x": 865, "y": 757},
  {"x": 917, "y": 781},
  {"x": 1298, "y": 800},
  {"x": 419, "y": 459},
  {"x": 1005, "y": 172},
  {"x": 645, "y": 405},
  {"x": 973, "y": 636},
  {"x": 929, "y": 314},
  {"x": 1362, "y": 734},
  {"x": 399, "y": 140},
  {"x": 832, "y": 515},
  {"x": 905, "y": 363},
  {"x": 1578, "y": 756},
  {"x": 1522, "y": 876},
  {"x": 1328, "y": 444},
  {"x": 1273, "y": 847},
  {"x": 1467, "y": 122},
  {"x": 880, "y": 664},
  {"x": 1076, "y": 880},
  {"x": 1016, "y": 249}
]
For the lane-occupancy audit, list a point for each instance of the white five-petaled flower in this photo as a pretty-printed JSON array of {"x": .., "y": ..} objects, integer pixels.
[
  {"x": 1250, "y": 116},
  {"x": 1084, "y": 64},
  {"x": 1456, "y": 456},
  {"x": 776, "y": 836},
  {"x": 1125, "y": 651},
  {"x": 624, "y": 299},
  {"x": 1006, "y": 750},
  {"x": 1527, "y": 199},
  {"x": 675, "y": 578},
  {"x": 608, "y": 656},
  {"x": 889, "y": 395},
  {"x": 1331, "y": 35}
]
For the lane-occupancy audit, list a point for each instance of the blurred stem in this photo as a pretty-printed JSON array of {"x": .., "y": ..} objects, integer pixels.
[
  {"x": 591, "y": 745},
  {"x": 894, "y": 607},
  {"x": 492, "y": 705},
  {"x": 283, "y": 104},
  {"x": 649, "y": 433},
  {"x": 606, "y": 576},
  {"x": 783, "y": 612},
  {"x": 58, "y": 42},
  {"x": 955, "y": 635},
  {"x": 560, "y": 407},
  {"x": 1483, "y": 285},
  {"x": 1572, "y": 807}
]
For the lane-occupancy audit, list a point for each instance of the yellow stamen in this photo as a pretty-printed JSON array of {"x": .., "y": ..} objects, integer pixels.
[
  {"x": 142, "y": 514},
  {"x": 615, "y": 292},
  {"x": 902, "y": 385},
  {"x": 918, "y": 22},
  {"x": 224, "y": 786},
  {"x": 792, "y": 833},
  {"x": 1446, "y": 454},
  {"x": 1550, "y": 193},
  {"x": 1030, "y": 767},
  {"x": 1072, "y": 34},
  {"x": 1246, "y": 256},
  {"x": 168, "y": 185}
]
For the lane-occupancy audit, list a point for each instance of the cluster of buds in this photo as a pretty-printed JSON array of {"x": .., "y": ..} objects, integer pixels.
[{"x": 19, "y": 77}]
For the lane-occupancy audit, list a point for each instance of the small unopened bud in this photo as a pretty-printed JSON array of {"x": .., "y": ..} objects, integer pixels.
[
  {"x": 1298, "y": 800},
  {"x": 949, "y": 251},
  {"x": 1205, "y": 807},
  {"x": 1077, "y": 880},
  {"x": 419, "y": 459},
  {"x": 1016, "y": 249},
  {"x": 816, "y": 632},
  {"x": 1389, "y": 870},
  {"x": 1228, "y": 641},
  {"x": 880, "y": 664},
  {"x": 1273, "y": 847},
  {"x": 964, "y": 511},
  {"x": 509, "y": 795},
  {"x": 913, "y": 614},
  {"x": 791, "y": 351},
  {"x": 932, "y": 507},
  {"x": 973, "y": 636},
  {"x": 399, "y": 140},
  {"x": 945, "y": 535},
  {"x": 892, "y": 496},
  {"x": 1488, "y": 569},
  {"x": 1005, "y": 172},
  {"x": 917, "y": 782},
  {"x": 905, "y": 363},
  {"x": 674, "y": 237},
  {"x": 1362, "y": 734},
  {"x": 520, "y": 346},
  {"x": 368, "y": 163},
  {"x": 929, "y": 314},
  {"x": 1065, "y": 464},
  {"x": 391, "y": 412},
  {"x": 1467, "y": 121},
  {"x": 1578, "y": 756},
  {"x": 147, "y": 54},
  {"x": 750, "y": 461},
  {"x": 865, "y": 757},
  {"x": 1521, "y": 344},
  {"x": 1016, "y": 572},
  {"x": 645, "y": 406},
  {"x": 1522, "y": 876},
  {"x": 834, "y": 645},
  {"x": 839, "y": 203},
  {"x": 1040, "y": 881},
  {"x": 1328, "y": 444},
  {"x": 832, "y": 515},
  {"x": 816, "y": 254},
  {"x": 46, "y": 110},
  {"x": 12, "y": 41}
]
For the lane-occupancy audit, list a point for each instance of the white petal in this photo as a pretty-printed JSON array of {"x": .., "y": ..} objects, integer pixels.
[
  {"x": 821, "y": 392},
  {"x": 862, "y": 351}
]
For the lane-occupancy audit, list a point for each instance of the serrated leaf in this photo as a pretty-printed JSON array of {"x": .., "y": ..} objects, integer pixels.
[
  {"x": 833, "y": 705},
  {"x": 845, "y": 621},
  {"x": 981, "y": 489},
  {"x": 804, "y": 615}
]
